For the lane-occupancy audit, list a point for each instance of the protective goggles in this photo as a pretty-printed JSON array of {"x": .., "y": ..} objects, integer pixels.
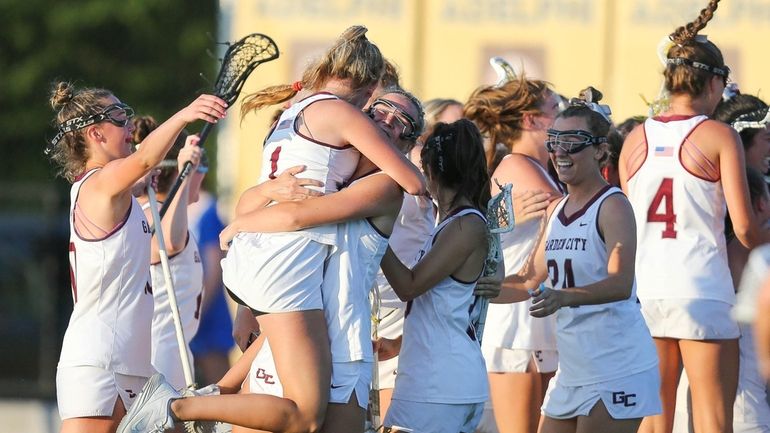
[
  {"x": 117, "y": 114},
  {"x": 743, "y": 121},
  {"x": 404, "y": 123},
  {"x": 570, "y": 141}
]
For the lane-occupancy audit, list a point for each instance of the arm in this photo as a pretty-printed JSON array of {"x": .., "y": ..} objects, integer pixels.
[
  {"x": 357, "y": 129},
  {"x": 373, "y": 196},
  {"x": 762, "y": 329},
  {"x": 616, "y": 222},
  {"x": 119, "y": 175},
  {"x": 455, "y": 246},
  {"x": 285, "y": 187},
  {"x": 516, "y": 287},
  {"x": 174, "y": 223},
  {"x": 633, "y": 146}
]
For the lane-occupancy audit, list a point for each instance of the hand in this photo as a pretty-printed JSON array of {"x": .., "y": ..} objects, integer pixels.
[
  {"x": 286, "y": 187},
  {"x": 387, "y": 348},
  {"x": 528, "y": 205},
  {"x": 489, "y": 286},
  {"x": 545, "y": 302},
  {"x": 244, "y": 325},
  {"x": 207, "y": 107},
  {"x": 190, "y": 152},
  {"x": 226, "y": 236}
]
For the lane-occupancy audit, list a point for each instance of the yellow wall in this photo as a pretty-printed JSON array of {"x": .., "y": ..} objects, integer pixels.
[{"x": 442, "y": 48}]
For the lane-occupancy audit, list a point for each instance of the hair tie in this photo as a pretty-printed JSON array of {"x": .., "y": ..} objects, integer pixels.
[{"x": 296, "y": 86}]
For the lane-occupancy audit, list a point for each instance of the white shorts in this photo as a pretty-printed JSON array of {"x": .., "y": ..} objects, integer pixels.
[
  {"x": 690, "y": 319},
  {"x": 276, "y": 272},
  {"x": 348, "y": 377},
  {"x": 263, "y": 376},
  {"x": 503, "y": 360},
  {"x": 433, "y": 417},
  {"x": 87, "y": 391},
  {"x": 634, "y": 396},
  {"x": 391, "y": 326}
]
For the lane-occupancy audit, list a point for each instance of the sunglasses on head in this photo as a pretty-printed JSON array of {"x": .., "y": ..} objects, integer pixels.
[
  {"x": 570, "y": 141},
  {"x": 117, "y": 114}
]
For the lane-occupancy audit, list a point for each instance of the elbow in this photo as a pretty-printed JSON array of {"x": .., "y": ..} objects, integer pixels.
[
  {"x": 749, "y": 238},
  {"x": 625, "y": 289},
  {"x": 416, "y": 186}
]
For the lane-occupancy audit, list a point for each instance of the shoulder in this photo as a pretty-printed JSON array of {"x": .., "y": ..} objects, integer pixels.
[
  {"x": 634, "y": 138},
  {"x": 717, "y": 131},
  {"x": 469, "y": 226},
  {"x": 615, "y": 211},
  {"x": 523, "y": 172}
]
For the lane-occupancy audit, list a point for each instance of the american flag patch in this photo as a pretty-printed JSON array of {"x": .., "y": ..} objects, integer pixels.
[
  {"x": 283, "y": 125},
  {"x": 664, "y": 151}
]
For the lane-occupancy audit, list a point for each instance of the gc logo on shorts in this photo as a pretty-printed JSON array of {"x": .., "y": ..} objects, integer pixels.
[{"x": 621, "y": 397}]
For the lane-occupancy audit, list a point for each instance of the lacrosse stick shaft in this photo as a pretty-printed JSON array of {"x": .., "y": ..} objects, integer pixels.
[
  {"x": 184, "y": 173},
  {"x": 180, "y": 340}
]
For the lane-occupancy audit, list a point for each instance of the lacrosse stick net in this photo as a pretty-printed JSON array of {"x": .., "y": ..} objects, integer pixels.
[
  {"x": 240, "y": 59},
  {"x": 500, "y": 219}
]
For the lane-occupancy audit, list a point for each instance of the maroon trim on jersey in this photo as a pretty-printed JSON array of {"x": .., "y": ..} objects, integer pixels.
[
  {"x": 598, "y": 231},
  {"x": 111, "y": 232},
  {"x": 368, "y": 173},
  {"x": 679, "y": 156},
  {"x": 186, "y": 243},
  {"x": 85, "y": 173},
  {"x": 565, "y": 220},
  {"x": 646, "y": 153},
  {"x": 674, "y": 117},
  {"x": 313, "y": 140}
]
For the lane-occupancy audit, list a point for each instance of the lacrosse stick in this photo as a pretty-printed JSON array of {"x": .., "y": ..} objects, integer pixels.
[
  {"x": 240, "y": 59},
  {"x": 500, "y": 219},
  {"x": 503, "y": 69},
  {"x": 180, "y": 341},
  {"x": 374, "y": 392}
]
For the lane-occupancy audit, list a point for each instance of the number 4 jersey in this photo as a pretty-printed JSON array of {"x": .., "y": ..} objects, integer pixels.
[{"x": 679, "y": 220}]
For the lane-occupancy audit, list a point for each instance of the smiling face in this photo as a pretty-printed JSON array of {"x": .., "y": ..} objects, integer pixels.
[
  {"x": 396, "y": 118},
  {"x": 573, "y": 168},
  {"x": 115, "y": 141}
]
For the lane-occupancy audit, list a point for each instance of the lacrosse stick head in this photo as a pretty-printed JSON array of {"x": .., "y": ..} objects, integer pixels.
[
  {"x": 500, "y": 219},
  {"x": 240, "y": 59},
  {"x": 503, "y": 69}
]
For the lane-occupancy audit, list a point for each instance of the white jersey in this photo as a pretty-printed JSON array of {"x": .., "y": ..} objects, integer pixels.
[
  {"x": 416, "y": 220},
  {"x": 510, "y": 326},
  {"x": 187, "y": 277},
  {"x": 440, "y": 359},
  {"x": 350, "y": 273},
  {"x": 286, "y": 147},
  {"x": 110, "y": 322},
  {"x": 680, "y": 217},
  {"x": 596, "y": 343}
]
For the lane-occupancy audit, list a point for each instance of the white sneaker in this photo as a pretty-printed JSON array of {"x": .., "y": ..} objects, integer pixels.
[{"x": 151, "y": 412}]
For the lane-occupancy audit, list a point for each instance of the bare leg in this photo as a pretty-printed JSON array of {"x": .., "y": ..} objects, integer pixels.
[
  {"x": 95, "y": 424},
  {"x": 349, "y": 417},
  {"x": 516, "y": 400},
  {"x": 551, "y": 425},
  {"x": 385, "y": 396},
  {"x": 669, "y": 363},
  {"x": 712, "y": 368},
  {"x": 599, "y": 420},
  {"x": 300, "y": 347}
]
